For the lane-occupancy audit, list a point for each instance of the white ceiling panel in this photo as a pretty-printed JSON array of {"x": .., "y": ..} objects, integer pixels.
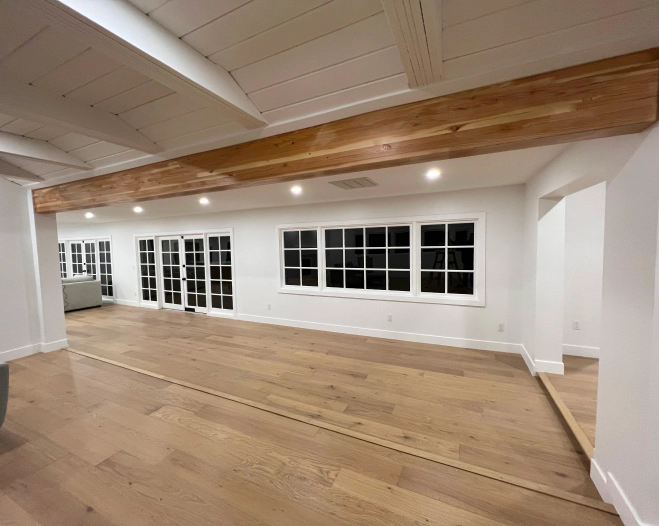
[
  {"x": 360, "y": 38},
  {"x": 197, "y": 120},
  {"x": 108, "y": 86},
  {"x": 5, "y": 119},
  {"x": 159, "y": 110},
  {"x": 43, "y": 53},
  {"x": 47, "y": 133},
  {"x": 378, "y": 65},
  {"x": 98, "y": 150},
  {"x": 134, "y": 97},
  {"x": 209, "y": 137},
  {"x": 181, "y": 17},
  {"x": 90, "y": 65},
  {"x": 21, "y": 126},
  {"x": 146, "y": 6},
  {"x": 458, "y": 11},
  {"x": 313, "y": 24},
  {"x": 12, "y": 34},
  {"x": 116, "y": 158},
  {"x": 245, "y": 22},
  {"x": 72, "y": 141}
]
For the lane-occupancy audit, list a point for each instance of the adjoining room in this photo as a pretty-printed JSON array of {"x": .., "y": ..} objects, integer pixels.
[{"x": 327, "y": 262}]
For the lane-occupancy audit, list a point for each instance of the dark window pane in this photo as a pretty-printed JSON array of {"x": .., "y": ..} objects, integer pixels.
[
  {"x": 189, "y": 272},
  {"x": 168, "y": 284},
  {"x": 309, "y": 258},
  {"x": 145, "y": 270},
  {"x": 145, "y": 294},
  {"x": 214, "y": 257},
  {"x": 291, "y": 258},
  {"x": 376, "y": 237},
  {"x": 228, "y": 289},
  {"x": 215, "y": 272},
  {"x": 174, "y": 245},
  {"x": 101, "y": 257},
  {"x": 108, "y": 258},
  {"x": 103, "y": 271},
  {"x": 199, "y": 258},
  {"x": 165, "y": 245},
  {"x": 432, "y": 258},
  {"x": 167, "y": 271},
  {"x": 145, "y": 283},
  {"x": 355, "y": 258},
  {"x": 201, "y": 273},
  {"x": 292, "y": 276},
  {"x": 201, "y": 287},
  {"x": 216, "y": 302},
  {"x": 292, "y": 239},
  {"x": 201, "y": 300},
  {"x": 178, "y": 300},
  {"x": 214, "y": 243},
  {"x": 226, "y": 272},
  {"x": 354, "y": 279},
  {"x": 225, "y": 243},
  {"x": 376, "y": 258},
  {"x": 103, "y": 280},
  {"x": 461, "y": 234},
  {"x": 399, "y": 258},
  {"x": 433, "y": 235},
  {"x": 199, "y": 245},
  {"x": 216, "y": 287},
  {"x": 432, "y": 282},
  {"x": 150, "y": 245},
  {"x": 189, "y": 245},
  {"x": 460, "y": 283},
  {"x": 334, "y": 258},
  {"x": 143, "y": 257},
  {"x": 225, "y": 258},
  {"x": 227, "y": 302},
  {"x": 189, "y": 258},
  {"x": 104, "y": 290},
  {"x": 309, "y": 239},
  {"x": 192, "y": 300},
  {"x": 376, "y": 279},
  {"x": 168, "y": 297},
  {"x": 176, "y": 258},
  {"x": 354, "y": 237},
  {"x": 461, "y": 258},
  {"x": 310, "y": 277},
  {"x": 399, "y": 280},
  {"x": 166, "y": 259},
  {"x": 154, "y": 296},
  {"x": 109, "y": 267},
  {"x": 334, "y": 278},
  {"x": 334, "y": 238},
  {"x": 399, "y": 236},
  {"x": 142, "y": 245},
  {"x": 177, "y": 285},
  {"x": 110, "y": 291},
  {"x": 152, "y": 270}
]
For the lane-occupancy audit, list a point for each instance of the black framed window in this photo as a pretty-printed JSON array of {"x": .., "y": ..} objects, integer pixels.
[
  {"x": 62, "y": 259},
  {"x": 105, "y": 268},
  {"x": 300, "y": 249},
  {"x": 148, "y": 281},
  {"x": 447, "y": 258},
  {"x": 221, "y": 278},
  {"x": 368, "y": 258}
]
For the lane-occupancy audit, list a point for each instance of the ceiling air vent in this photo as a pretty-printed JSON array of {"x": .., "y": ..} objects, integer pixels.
[{"x": 354, "y": 184}]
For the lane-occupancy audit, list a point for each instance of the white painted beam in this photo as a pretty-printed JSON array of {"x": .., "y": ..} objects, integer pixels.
[
  {"x": 30, "y": 102},
  {"x": 37, "y": 150},
  {"x": 119, "y": 29},
  {"x": 14, "y": 172},
  {"x": 417, "y": 28}
]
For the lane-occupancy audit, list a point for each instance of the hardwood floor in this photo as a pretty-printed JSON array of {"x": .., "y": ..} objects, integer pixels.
[
  {"x": 90, "y": 443},
  {"x": 578, "y": 390},
  {"x": 469, "y": 408}
]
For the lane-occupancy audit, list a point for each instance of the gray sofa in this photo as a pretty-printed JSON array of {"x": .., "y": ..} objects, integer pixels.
[
  {"x": 81, "y": 292},
  {"x": 4, "y": 391}
]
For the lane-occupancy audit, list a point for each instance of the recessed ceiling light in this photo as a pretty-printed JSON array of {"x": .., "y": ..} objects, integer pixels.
[
  {"x": 296, "y": 190},
  {"x": 204, "y": 200},
  {"x": 89, "y": 215},
  {"x": 138, "y": 210},
  {"x": 433, "y": 174}
]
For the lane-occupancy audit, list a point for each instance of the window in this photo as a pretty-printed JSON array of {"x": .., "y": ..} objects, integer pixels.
[
  {"x": 105, "y": 268},
  {"x": 77, "y": 266},
  {"x": 62, "y": 259},
  {"x": 90, "y": 258},
  {"x": 221, "y": 279},
  {"x": 373, "y": 258},
  {"x": 148, "y": 282},
  {"x": 170, "y": 254},
  {"x": 300, "y": 258},
  {"x": 195, "y": 273},
  {"x": 447, "y": 258}
]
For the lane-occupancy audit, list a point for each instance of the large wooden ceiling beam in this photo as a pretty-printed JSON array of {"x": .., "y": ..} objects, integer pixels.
[
  {"x": 122, "y": 31},
  {"x": 604, "y": 98}
]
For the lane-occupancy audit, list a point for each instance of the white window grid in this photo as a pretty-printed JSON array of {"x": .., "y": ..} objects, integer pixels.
[
  {"x": 147, "y": 265},
  {"x": 105, "y": 268},
  {"x": 77, "y": 264},
  {"x": 62, "y": 259},
  {"x": 220, "y": 272}
]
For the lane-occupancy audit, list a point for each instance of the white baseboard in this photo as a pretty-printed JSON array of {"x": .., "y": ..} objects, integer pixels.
[
  {"x": 612, "y": 492},
  {"x": 129, "y": 303},
  {"x": 54, "y": 346},
  {"x": 581, "y": 350},
  {"x": 483, "y": 345},
  {"x": 528, "y": 360},
  {"x": 21, "y": 352},
  {"x": 546, "y": 366}
]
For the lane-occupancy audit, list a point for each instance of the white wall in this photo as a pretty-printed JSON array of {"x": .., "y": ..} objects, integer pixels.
[
  {"x": 626, "y": 463},
  {"x": 584, "y": 247},
  {"x": 19, "y": 317},
  {"x": 257, "y": 267}
]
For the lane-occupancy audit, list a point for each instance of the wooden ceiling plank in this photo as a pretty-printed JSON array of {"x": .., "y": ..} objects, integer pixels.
[{"x": 606, "y": 98}]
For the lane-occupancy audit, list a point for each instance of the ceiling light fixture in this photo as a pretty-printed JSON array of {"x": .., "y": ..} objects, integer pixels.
[
  {"x": 89, "y": 215},
  {"x": 296, "y": 190},
  {"x": 204, "y": 200},
  {"x": 138, "y": 210},
  {"x": 433, "y": 174}
]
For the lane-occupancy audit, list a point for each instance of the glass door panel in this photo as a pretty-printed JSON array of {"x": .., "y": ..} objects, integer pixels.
[
  {"x": 77, "y": 263},
  {"x": 90, "y": 258},
  {"x": 170, "y": 261},
  {"x": 195, "y": 274},
  {"x": 221, "y": 272},
  {"x": 105, "y": 269}
]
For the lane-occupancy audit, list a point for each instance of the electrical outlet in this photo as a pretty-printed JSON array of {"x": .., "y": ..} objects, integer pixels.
[
  {"x": 576, "y": 326},
  {"x": 502, "y": 327},
  {"x": 269, "y": 306},
  {"x": 390, "y": 317}
]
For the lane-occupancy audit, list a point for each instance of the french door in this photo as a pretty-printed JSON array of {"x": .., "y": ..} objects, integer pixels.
[
  {"x": 172, "y": 279},
  {"x": 77, "y": 258},
  {"x": 194, "y": 280},
  {"x": 90, "y": 258}
]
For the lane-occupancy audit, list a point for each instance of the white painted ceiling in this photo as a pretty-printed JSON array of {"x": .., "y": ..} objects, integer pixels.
[
  {"x": 496, "y": 169},
  {"x": 301, "y": 62}
]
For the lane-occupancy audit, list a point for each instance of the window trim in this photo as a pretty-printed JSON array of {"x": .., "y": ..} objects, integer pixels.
[{"x": 415, "y": 295}]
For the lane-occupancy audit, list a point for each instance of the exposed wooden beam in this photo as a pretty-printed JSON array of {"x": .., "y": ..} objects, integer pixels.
[
  {"x": 37, "y": 150},
  {"x": 14, "y": 172},
  {"x": 417, "y": 28},
  {"x": 23, "y": 100},
  {"x": 604, "y": 98},
  {"x": 122, "y": 31}
]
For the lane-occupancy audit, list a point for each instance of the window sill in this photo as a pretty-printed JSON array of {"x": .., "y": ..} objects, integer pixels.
[{"x": 469, "y": 301}]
